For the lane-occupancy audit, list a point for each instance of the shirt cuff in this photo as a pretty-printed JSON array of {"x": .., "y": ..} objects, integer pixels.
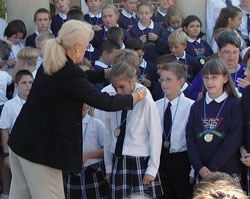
[{"x": 151, "y": 171}]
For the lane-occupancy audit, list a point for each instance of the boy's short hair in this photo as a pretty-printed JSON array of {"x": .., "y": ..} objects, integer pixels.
[
  {"x": 134, "y": 44},
  {"x": 115, "y": 34},
  {"x": 4, "y": 50},
  {"x": 164, "y": 59},
  {"x": 178, "y": 68},
  {"x": 87, "y": 63},
  {"x": 178, "y": 36},
  {"x": 108, "y": 46},
  {"x": 218, "y": 185},
  {"x": 228, "y": 37},
  {"x": 22, "y": 73},
  {"x": 43, "y": 36},
  {"x": 75, "y": 13},
  {"x": 14, "y": 27},
  {"x": 41, "y": 10},
  {"x": 29, "y": 54}
]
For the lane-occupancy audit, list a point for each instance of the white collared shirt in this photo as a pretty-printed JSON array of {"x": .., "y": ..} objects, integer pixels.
[
  {"x": 178, "y": 133},
  {"x": 183, "y": 56},
  {"x": 90, "y": 48},
  {"x": 141, "y": 27},
  {"x": 94, "y": 137},
  {"x": 143, "y": 64},
  {"x": 99, "y": 15},
  {"x": 11, "y": 110},
  {"x": 213, "y": 10},
  {"x": 37, "y": 32},
  {"x": 64, "y": 17},
  {"x": 218, "y": 99},
  {"x": 101, "y": 64},
  {"x": 5, "y": 80},
  {"x": 161, "y": 13},
  {"x": 170, "y": 29},
  {"x": 143, "y": 133},
  {"x": 191, "y": 40},
  {"x": 126, "y": 14}
]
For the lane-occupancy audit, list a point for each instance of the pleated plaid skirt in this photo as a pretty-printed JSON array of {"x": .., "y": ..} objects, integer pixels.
[
  {"x": 90, "y": 185},
  {"x": 127, "y": 177}
]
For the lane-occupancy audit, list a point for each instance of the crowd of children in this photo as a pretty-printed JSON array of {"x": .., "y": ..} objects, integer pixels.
[{"x": 194, "y": 120}]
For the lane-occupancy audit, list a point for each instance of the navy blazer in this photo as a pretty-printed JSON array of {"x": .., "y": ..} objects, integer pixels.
[{"x": 48, "y": 130}]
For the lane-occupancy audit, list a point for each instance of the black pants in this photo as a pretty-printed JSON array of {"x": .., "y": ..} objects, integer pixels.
[{"x": 174, "y": 174}]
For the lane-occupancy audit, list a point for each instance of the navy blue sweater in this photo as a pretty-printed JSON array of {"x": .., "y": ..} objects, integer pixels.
[
  {"x": 246, "y": 111},
  {"x": 94, "y": 20},
  {"x": 127, "y": 23},
  {"x": 153, "y": 49},
  {"x": 56, "y": 24},
  {"x": 222, "y": 153},
  {"x": 30, "y": 40},
  {"x": 204, "y": 48},
  {"x": 158, "y": 18}
]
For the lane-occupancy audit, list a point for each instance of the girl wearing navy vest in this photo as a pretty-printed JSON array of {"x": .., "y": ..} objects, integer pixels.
[
  {"x": 196, "y": 46},
  {"x": 215, "y": 125},
  {"x": 110, "y": 15},
  {"x": 152, "y": 34}
]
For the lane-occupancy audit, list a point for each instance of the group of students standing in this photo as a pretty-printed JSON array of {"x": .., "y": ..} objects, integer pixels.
[{"x": 167, "y": 140}]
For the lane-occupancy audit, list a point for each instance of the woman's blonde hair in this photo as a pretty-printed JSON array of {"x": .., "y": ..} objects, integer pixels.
[
  {"x": 29, "y": 54},
  {"x": 71, "y": 33},
  {"x": 218, "y": 67}
]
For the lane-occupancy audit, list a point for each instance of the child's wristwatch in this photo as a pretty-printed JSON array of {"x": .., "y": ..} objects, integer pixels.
[{"x": 4, "y": 155}]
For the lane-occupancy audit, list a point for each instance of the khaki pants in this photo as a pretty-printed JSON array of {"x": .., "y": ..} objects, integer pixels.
[{"x": 34, "y": 181}]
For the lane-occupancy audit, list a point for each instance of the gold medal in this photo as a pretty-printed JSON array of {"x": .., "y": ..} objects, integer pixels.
[
  {"x": 166, "y": 144},
  {"x": 202, "y": 61},
  {"x": 117, "y": 132},
  {"x": 208, "y": 137}
]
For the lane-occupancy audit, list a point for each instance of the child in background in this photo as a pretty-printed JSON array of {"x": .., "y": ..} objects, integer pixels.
[
  {"x": 110, "y": 15},
  {"x": 149, "y": 76},
  {"x": 174, "y": 112},
  {"x": 62, "y": 6},
  {"x": 11, "y": 109},
  {"x": 127, "y": 18},
  {"x": 230, "y": 18},
  {"x": 152, "y": 34},
  {"x": 94, "y": 15},
  {"x": 75, "y": 13},
  {"x": 215, "y": 125},
  {"x": 116, "y": 34},
  {"x": 42, "y": 19},
  {"x": 173, "y": 19},
  {"x": 160, "y": 14},
  {"x": 40, "y": 41},
  {"x": 133, "y": 142},
  {"x": 91, "y": 182},
  {"x": 196, "y": 47},
  {"x": 15, "y": 33},
  {"x": 177, "y": 42}
]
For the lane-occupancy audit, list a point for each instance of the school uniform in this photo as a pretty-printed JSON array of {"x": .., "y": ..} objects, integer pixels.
[
  {"x": 5, "y": 80},
  {"x": 31, "y": 39},
  {"x": 199, "y": 49},
  {"x": 15, "y": 48},
  {"x": 90, "y": 183},
  {"x": 92, "y": 54},
  {"x": 244, "y": 27},
  {"x": 175, "y": 166},
  {"x": 149, "y": 71},
  {"x": 94, "y": 19},
  {"x": 140, "y": 152},
  {"x": 214, "y": 134},
  {"x": 153, "y": 49},
  {"x": 169, "y": 29},
  {"x": 159, "y": 17},
  {"x": 126, "y": 20},
  {"x": 11, "y": 110},
  {"x": 193, "y": 66},
  {"x": 213, "y": 10},
  {"x": 101, "y": 35},
  {"x": 57, "y": 22},
  {"x": 39, "y": 62},
  {"x": 99, "y": 65}
]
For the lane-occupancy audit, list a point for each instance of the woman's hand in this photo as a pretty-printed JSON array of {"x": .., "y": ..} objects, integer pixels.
[
  {"x": 204, "y": 172},
  {"x": 139, "y": 94},
  {"x": 242, "y": 82}
]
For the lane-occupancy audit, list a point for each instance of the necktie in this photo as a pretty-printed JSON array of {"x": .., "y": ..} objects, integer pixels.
[
  {"x": 229, "y": 3},
  {"x": 168, "y": 121},
  {"x": 120, "y": 139}
]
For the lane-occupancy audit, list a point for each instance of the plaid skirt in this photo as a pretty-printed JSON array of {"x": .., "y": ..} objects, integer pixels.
[
  {"x": 127, "y": 177},
  {"x": 90, "y": 184}
]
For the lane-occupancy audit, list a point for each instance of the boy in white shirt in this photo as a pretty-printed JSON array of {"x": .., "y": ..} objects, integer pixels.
[
  {"x": 174, "y": 112},
  {"x": 11, "y": 109}
]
